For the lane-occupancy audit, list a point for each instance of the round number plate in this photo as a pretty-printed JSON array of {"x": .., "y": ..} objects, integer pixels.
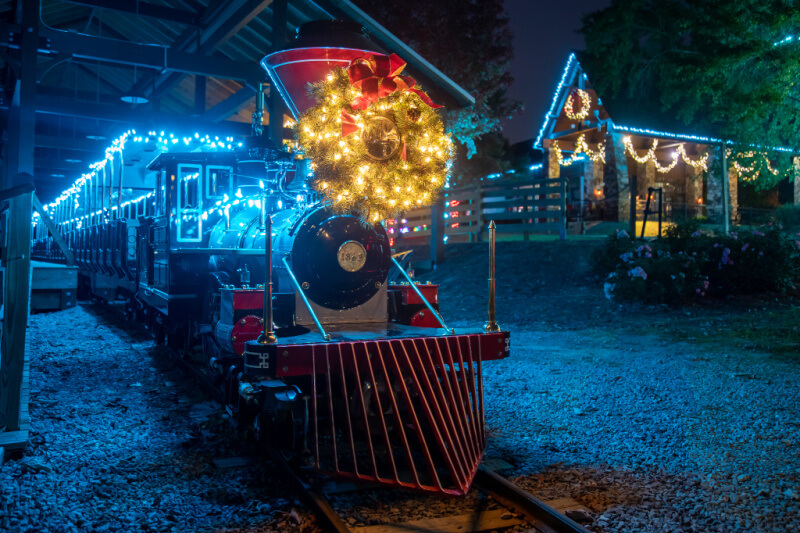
[
  {"x": 352, "y": 256},
  {"x": 381, "y": 138}
]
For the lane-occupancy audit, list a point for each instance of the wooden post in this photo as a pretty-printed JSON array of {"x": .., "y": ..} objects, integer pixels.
[
  {"x": 199, "y": 95},
  {"x": 562, "y": 232},
  {"x": 22, "y": 120},
  {"x": 437, "y": 232},
  {"x": 726, "y": 192},
  {"x": 634, "y": 185}
]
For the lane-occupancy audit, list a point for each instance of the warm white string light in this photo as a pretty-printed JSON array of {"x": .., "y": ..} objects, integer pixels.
[
  {"x": 586, "y": 105},
  {"x": 752, "y": 173},
  {"x": 581, "y": 147},
  {"x": 680, "y": 153}
]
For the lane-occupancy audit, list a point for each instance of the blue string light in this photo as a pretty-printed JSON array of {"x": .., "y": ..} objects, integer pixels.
[
  {"x": 118, "y": 145},
  {"x": 570, "y": 61}
]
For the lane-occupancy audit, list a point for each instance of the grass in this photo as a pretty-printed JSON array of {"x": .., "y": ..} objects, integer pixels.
[{"x": 766, "y": 326}]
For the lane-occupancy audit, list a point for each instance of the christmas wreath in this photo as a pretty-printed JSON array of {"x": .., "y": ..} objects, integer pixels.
[
  {"x": 376, "y": 141},
  {"x": 586, "y": 104}
]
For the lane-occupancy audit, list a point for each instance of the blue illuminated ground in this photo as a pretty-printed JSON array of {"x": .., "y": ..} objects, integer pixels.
[{"x": 654, "y": 419}]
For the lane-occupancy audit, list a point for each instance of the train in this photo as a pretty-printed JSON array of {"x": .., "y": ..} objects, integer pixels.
[{"x": 321, "y": 344}]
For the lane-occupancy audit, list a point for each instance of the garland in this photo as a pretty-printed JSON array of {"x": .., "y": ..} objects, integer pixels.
[
  {"x": 680, "y": 153},
  {"x": 581, "y": 147},
  {"x": 377, "y": 143},
  {"x": 759, "y": 164},
  {"x": 586, "y": 104}
]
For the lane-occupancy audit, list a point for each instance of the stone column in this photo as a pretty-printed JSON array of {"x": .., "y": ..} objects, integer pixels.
[
  {"x": 598, "y": 177},
  {"x": 733, "y": 182},
  {"x": 646, "y": 176},
  {"x": 796, "y": 166},
  {"x": 694, "y": 191},
  {"x": 553, "y": 168},
  {"x": 617, "y": 184},
  {"x": 588, "y": 179},
  {"x": 714, "y": 190}
]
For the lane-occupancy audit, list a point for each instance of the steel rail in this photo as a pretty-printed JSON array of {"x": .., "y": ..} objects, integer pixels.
[
  {"x": 331, "y": 521},
  {"x": 537, "y": 511}
]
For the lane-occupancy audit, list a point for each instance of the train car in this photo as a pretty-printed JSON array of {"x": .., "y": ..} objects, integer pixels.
[{"x": 323, "y": 346}]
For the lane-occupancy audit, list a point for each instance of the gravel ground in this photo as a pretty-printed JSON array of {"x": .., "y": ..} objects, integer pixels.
[
  {"x": 649, "y": 433},
  {"x": 122, "y": 442}
]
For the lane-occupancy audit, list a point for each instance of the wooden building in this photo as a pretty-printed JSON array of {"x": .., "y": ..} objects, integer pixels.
[{"x": 606, "y": 146}]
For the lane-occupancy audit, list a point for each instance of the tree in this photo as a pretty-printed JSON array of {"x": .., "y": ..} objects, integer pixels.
[
  {"x": 471, "y": 44},
  {"x": 730, "y": 66}
]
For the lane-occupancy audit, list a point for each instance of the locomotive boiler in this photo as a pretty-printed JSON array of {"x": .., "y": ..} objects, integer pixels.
[{"x": 323, "y": 346}]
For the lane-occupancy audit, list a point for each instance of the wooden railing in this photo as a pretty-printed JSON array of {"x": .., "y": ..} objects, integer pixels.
[{"x": 522, "y": 208}]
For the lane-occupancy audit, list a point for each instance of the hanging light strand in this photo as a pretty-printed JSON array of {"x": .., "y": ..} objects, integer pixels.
[
  {"x": 680, "y": 153},
  {"x": 581, "y": 147}
]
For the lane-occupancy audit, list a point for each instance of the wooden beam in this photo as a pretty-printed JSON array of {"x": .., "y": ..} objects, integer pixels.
[
  {"x": 117, "y": 51},
  {"x": 236, "y": 16},
  {"x": 70, "y": 143},
  {"x": 13, "y": 440},
  {"x": 144, "y": 9},
  {"x": 13, "y": 192},
  {"x": 231, "y": 105},
  {"x": 48, "y": 222}
]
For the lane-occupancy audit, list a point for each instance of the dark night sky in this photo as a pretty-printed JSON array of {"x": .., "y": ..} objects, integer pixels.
[{"x": 544, "y": 34}]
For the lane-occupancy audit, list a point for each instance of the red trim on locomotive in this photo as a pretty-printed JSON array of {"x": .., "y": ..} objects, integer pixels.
[
  {"x": 410, "y": 297},
  {"x": 246, "y": 329}
]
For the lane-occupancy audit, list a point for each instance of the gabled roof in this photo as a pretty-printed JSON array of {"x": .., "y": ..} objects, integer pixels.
[{"x": 642, "y": 115}]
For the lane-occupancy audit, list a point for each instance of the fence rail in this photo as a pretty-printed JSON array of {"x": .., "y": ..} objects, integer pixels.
[{"x": 524, "y": 207}]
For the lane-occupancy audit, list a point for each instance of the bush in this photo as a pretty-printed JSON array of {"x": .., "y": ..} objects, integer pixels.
[
  {"x": 789, "y": 217},
  {"x": 691, "y": 263},
  {"x": 606, "y": 258}
]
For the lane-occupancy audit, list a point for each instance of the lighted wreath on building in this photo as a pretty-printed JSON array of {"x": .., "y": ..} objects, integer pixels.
[
  {"x": 376, "y": 141},
  {"x": 586, "y": 104}
]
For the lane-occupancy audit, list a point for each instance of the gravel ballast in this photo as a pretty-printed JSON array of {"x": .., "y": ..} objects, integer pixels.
[
  {"x": 121, "y": 441},
  {"x": 649, "y": 433}
]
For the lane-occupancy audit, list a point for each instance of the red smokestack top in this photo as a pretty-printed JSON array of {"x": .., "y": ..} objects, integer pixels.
[{"x": 318, "y": 47}]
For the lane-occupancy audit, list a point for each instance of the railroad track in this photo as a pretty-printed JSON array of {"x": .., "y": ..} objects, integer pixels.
[{"x": 540, "y": 516}]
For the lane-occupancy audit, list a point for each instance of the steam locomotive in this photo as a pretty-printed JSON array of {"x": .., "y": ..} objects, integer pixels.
[{"x": 360, "y": 377}]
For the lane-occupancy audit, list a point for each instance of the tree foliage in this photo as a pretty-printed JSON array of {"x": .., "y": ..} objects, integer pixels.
[
  {"x": 729, "y": 66},
  {"x": 468, "y": 40}
]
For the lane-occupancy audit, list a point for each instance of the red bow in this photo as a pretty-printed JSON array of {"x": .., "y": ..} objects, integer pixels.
[{"x": 378, "y": 76}]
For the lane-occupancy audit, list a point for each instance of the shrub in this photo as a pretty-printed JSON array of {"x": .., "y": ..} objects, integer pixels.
[
  {"x": 789, "y": 217},
  {"x": 691, "y": 263},
  {"x": 606, "y": 258}
]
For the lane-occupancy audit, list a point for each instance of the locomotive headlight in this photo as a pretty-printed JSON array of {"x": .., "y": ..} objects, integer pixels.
[{"x": 352, "y": 256}]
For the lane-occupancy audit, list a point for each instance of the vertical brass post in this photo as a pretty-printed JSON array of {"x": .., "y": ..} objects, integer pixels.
[
  {"x": 491, "y": 325},
  {"x": 267, "y": 336}
]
